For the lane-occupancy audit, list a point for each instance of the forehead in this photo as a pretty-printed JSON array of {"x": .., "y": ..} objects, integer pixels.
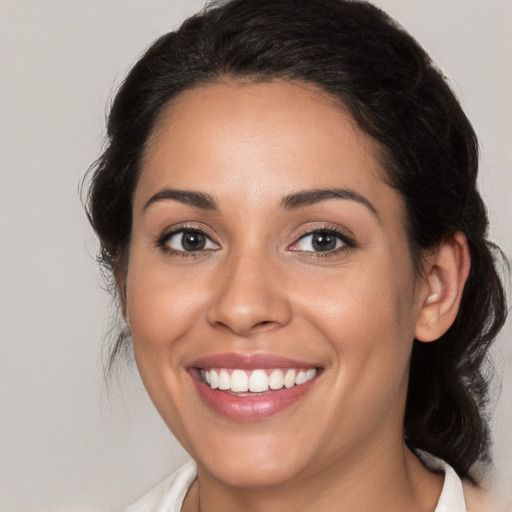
[{"x": 252, "y": 140}]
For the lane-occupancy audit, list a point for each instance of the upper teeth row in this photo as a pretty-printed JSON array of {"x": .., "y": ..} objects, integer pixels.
[{"x": 256, "y": 381}]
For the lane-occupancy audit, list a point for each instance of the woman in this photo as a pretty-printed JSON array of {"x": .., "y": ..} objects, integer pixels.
[{"x": 288, "y": 205}]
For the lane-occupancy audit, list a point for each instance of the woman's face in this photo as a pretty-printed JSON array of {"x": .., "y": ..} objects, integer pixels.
[{"x": 265, "y": 247}]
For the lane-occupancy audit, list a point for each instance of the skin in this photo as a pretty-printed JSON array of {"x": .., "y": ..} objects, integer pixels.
[{"x": 260, "y": 288}]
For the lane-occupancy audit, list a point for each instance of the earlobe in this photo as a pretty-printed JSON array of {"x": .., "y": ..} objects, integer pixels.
[{"x": 446, "y": 275}]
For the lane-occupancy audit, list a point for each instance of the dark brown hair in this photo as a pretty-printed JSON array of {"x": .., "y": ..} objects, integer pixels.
[{"x": 383, "y": 77}]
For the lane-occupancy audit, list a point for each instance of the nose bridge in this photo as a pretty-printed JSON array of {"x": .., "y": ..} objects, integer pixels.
[{"x": 248, "y": 296}]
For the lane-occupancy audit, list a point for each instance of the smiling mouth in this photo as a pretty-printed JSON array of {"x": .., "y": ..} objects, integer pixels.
[
  {"x": 252, "y": 387},
  {"x": 239, "y": 381}
]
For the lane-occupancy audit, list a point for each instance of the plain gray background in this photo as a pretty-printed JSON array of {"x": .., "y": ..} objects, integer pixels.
[{"x": 65, "y": 443}]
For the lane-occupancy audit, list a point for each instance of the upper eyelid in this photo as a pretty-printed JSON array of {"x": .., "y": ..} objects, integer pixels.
[
  {"x": 322, "y": 230},
  {"x": 180, "y": 228},
  {"x": 344, "y": 239},
  {"x": 342, "y": 232},
  {"x": 165, "y": 236}
]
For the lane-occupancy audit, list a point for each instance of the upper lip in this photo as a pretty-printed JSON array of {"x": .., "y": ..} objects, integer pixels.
[{"x": 249, "y": 361}]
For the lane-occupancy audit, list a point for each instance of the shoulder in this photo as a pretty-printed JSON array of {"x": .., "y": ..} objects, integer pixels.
[{"x": 169, "y": 495}]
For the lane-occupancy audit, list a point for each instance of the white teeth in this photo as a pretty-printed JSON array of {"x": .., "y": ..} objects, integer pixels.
[
  {"x": 301, "y": 378},
  {"x": 239, "y": 381},
  {"x": 289, "y": 379},
  {"x": 224, "y": 380},
  {"x": 276, "y": 379},
  {"x": 214, "y": 379},
  {"x": 258, "y": 381}
]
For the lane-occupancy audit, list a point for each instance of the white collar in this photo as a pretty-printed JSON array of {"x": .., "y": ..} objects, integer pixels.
[{"x": 452, "y": 495}]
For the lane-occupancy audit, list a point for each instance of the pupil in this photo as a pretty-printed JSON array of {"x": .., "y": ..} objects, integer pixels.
[
  {"x": 193, "y": 241},
  {"x": 324, "y": 242}
]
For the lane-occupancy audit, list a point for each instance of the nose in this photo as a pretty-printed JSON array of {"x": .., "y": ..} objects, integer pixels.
[{"x": 249, "y": 296}]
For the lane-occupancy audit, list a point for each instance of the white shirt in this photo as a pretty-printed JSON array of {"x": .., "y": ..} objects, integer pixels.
[{"x": 169, "y": 495}]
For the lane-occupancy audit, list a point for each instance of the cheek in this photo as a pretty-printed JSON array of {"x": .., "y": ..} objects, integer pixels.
[
  {"x": 162, "y": 307},
  {"x": 377, "y": 300},
  {"x": 368, "y": 318},
  {"x": 162, "y": 310}
]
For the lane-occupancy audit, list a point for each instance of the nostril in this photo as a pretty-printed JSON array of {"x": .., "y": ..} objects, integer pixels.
[{"x": 265, "y": 323}]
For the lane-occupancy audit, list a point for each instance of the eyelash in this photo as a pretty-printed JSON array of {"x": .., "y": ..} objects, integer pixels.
[
  {"x": 347, "y": 242},
  {"x": 162, "y": 243}
]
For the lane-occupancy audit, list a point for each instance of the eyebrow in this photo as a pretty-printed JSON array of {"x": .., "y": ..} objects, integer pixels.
[
  {"x": 290, "y": 202},
  {"x": 309, "y": 197},
  {"x": 197, "y": 199}
]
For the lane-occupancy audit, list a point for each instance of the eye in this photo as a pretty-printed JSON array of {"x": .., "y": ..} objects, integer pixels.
[
  {"x": 322, "y": 240},
  {"x": 187, "y": 240}
]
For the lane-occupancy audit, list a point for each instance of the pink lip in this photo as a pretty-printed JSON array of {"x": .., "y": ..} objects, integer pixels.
[
  {"x": 249, "y": 362},
  {"x": 248, "y": 406}
]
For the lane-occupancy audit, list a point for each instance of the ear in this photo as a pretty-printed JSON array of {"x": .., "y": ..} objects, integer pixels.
[{"x": 441, "y": 292}]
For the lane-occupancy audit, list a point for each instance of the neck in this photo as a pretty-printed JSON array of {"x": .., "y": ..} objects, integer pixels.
[{"x": 360, "y": 482}]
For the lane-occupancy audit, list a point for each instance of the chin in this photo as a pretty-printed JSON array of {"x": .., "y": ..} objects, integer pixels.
[
  {"x": 252, "y": 472},
  {"x": 252, "y": 460}
]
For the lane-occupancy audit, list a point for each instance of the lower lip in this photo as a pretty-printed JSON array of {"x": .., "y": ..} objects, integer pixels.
[{"x": 251, "y": 407}]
